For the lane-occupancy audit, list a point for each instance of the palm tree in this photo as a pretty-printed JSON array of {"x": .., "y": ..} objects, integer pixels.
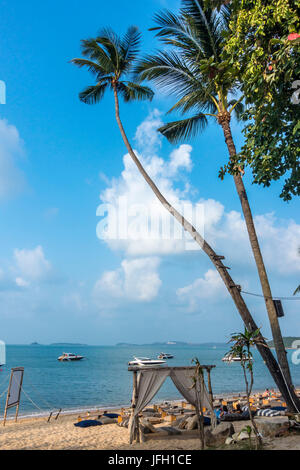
[
  {"x": 205, "y": 84},
  {"x": 111, "y": 59}
]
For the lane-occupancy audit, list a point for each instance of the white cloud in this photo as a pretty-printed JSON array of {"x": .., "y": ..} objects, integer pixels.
[
  {"x": 21, "y": 282},
  {"x": 150, "y": 228},
  {"x": 210, "y": 288},
  {"x": 32, "y": 264},
  {"x": 136, "y": 280},
  {"x": 146, "y": 137},
  {"x": 12, "y": 179}
]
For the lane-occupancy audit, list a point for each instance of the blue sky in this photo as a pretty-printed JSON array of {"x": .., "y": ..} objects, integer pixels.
[{"x": 58, "y": 281}]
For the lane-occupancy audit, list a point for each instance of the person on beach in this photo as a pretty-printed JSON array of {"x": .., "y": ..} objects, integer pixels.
[{"x": 224, "y": 411}]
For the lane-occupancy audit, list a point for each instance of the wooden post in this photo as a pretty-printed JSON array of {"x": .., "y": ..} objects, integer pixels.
[
  {"x": 136, "y": 396},
  {"x": 211, "y": 396},
  {"x": 136, "y": 434}
]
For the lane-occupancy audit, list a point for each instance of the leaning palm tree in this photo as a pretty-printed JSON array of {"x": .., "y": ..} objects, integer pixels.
[
  {"x": 111, "y": 59},
  {"x": 205, "y": 84}
]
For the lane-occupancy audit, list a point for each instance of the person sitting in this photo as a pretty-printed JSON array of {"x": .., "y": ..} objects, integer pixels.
[
  {"x": 266, "y": 393},
  {"x": 238, "y": 409},
  {"x": 224, "y": 411}
]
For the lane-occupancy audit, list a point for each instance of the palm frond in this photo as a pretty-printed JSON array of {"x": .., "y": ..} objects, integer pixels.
[
  {"x": 198, "y": 100},
  {"x": 168, "y": 70},
  {"x": 92, "y": 50},
  {"x": 134, "y": 92},
  {"x": 238, "y": 110},
  {"x": 207, "y": 25},
  {"x": 130, "y": 44},
  {"x": 110, "y": 41},
  {"x": 173, "y": 30},
  {"x": 185, "y": 129},
  {"x": 297, "y": 291},
  {"x": 93, "y": 67},
  {"x": 93, "y": 94}
]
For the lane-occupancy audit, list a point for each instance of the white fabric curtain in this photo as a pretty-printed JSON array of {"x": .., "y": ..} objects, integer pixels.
[
  {"x": 148, "y": 384},
  {"x": 185, "y": 384}
]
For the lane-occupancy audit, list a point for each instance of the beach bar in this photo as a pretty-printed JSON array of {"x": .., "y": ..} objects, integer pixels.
[{"x": 188, "y": 381}]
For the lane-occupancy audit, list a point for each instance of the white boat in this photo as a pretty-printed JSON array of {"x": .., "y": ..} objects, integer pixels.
[
  {"x": 231, "y": 358},
  {"x": 165, "y": 356},
  {"x": 145, "y": 362},
  {"x": 69, "y": 357}
]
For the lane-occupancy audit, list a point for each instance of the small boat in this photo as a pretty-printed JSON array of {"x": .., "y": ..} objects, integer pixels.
[
  {"x": 145, "y": 362},
  {"x": 231, "y": 358},
  {"x": 69, "y": 357},
  {"x": 165, "y": 356}
]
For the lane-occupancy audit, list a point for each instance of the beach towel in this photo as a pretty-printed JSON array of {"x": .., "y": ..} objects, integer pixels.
[{"x": 87, "y": 424}]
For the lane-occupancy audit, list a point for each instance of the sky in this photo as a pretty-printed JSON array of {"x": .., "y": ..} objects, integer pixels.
[{"x": 63, "y": 162}]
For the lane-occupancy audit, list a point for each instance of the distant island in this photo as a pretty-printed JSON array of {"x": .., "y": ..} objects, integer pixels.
[
  {"x": 68, "y": 344},
  {"x": 169, "y": 343},
  {"x": 287, "y": 340}
]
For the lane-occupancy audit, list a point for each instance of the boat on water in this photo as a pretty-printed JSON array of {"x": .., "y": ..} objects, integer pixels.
[
  {"x": 232, "y": 358},
  {"x": 69, "y": 357},
  {"x": 145, "y": 362},
  {"x": 165, "y": 356}
]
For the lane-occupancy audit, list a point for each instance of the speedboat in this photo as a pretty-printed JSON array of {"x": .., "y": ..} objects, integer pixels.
[
  {"x": 69, "y": 357},
  {"x": 165, "y": 356},
  {"x": 232, "y": 358},
  {"x": 145, "y": 362}
]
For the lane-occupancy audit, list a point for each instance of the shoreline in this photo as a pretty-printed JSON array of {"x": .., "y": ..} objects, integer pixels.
[{"x": 101, "y": 408}]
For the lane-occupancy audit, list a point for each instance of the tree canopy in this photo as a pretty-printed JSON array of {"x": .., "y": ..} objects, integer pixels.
[{"x": 263, "y": 44}]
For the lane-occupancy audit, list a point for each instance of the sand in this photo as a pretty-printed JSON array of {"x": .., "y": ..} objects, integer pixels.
[{"x": 37, "y": 434}]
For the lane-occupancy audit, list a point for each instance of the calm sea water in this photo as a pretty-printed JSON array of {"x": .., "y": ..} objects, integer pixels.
[{"x": 102, "y": 380}]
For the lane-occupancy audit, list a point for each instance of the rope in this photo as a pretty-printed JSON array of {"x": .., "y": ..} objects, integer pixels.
[
  {"x": 268, "y": 298},
  {"x": 28, "y": 397},
  {"x": 288, "y": 390},
  {"x": 41, "y": 397},
  {"x": 5, "y": 380}
]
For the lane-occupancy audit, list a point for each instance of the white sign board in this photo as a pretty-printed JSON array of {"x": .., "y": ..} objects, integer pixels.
[{"x": 2, "y": 353}]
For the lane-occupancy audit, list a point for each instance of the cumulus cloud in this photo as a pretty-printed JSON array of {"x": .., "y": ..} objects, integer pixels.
[
  {"x": 31, "y": 265},
  {"x": 136, "y": 221},
  {"x": 210, "y": 287},
  {"x": 146, "y": 137},
  {"x": 136, "y": 280},
  {"x": 12, "y": 179}
]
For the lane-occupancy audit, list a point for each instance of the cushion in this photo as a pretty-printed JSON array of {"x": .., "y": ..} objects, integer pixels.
[
  {"x": 88, "y": 424},
  {"x": 269, "y": 413}
]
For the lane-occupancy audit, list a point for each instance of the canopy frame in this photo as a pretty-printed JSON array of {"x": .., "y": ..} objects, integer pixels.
[{"x": 135, "y": 396}]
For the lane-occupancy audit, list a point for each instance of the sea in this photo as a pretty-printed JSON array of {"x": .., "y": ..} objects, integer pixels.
[{"x": 102, "y": 380}]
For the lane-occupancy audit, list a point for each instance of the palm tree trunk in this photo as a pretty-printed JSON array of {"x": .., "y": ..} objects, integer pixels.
[
  {"x": 224, "y": 121},
  {"x": 232, "y": 288}
]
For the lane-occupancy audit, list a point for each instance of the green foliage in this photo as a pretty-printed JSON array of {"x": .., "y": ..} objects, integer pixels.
[
  {"x": 258, "y": 44},
  {"x": 193, "y": 69},
  {"x": 242, "y": 346},
  {"x": 111, "y": 59}
]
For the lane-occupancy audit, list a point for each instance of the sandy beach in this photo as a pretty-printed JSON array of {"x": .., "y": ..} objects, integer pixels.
[{"x": 37, "y": 434}]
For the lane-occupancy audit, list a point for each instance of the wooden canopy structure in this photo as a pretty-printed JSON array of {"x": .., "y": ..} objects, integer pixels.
[{"x": 153, "y": 379}]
